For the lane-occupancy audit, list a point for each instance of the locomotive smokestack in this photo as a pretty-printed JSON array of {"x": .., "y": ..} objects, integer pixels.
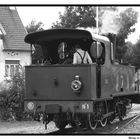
[
  {"x": 111, "y": 26},
  {"x": 114, "y": 44},
  {"x": 112, "y": 38}
]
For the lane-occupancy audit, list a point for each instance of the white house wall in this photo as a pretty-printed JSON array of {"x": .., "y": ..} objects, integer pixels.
[
  {"x": 22, "y": 56},
  {"x": 2, "y": 62}
]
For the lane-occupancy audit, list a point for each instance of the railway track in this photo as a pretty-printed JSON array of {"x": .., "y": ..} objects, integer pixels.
[
  {"x": 125, "y": 123},
  {"x": 108, "y": 129}
]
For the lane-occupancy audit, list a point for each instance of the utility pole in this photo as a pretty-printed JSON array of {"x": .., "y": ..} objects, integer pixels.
[{"x": 97, "y": 19}]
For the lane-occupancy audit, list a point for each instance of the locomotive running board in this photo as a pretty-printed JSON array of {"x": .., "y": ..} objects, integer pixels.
[{"x": 122, "y": 94}]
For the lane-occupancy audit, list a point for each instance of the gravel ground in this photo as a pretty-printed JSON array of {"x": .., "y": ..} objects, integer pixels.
[
  {"x": 133, "y": 128},
  {"x": 25, "y": 127},
  {"x": 33, "y": 127}
]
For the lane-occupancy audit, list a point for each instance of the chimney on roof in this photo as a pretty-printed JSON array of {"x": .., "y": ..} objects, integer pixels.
[{"x": 12, "y": 7}]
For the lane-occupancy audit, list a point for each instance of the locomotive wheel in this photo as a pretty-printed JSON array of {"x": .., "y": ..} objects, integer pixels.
[
  {"x": 79, "y": 121},
  {"x": 111, "y": 119},
  {"x": 92, "y": 122},
  {"x": 75, "y": 121},
  {"x": 103, "y": 120},
  {"x": 121, "y": 111},
  {"x": 84, "y": 122}
]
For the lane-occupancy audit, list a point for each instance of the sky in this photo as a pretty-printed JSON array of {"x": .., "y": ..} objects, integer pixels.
[
  {"x": 46, "y": 14},
  {"x": 50, "y": 14}
]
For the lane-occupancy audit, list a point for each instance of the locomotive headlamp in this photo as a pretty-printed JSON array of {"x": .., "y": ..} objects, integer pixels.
[
  {"x": 30, "y": 105},
  {"x": 76, "y": 84}
]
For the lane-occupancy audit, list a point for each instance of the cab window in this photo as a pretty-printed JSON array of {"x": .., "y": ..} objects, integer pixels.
[{"x": 97, "y": 51}]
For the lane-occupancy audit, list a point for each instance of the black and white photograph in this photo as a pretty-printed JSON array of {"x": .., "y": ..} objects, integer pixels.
[{"x": 70, "y": 70}]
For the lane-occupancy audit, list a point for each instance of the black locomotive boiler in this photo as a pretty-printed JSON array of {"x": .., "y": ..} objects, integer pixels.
[{"x": 78, "y": 94}]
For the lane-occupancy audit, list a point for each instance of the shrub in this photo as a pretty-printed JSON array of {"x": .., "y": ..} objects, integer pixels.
[{"x": 12, "y": 100}]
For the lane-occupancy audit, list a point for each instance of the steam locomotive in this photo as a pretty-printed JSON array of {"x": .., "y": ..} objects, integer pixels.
[{"x": 82, "y": 95}]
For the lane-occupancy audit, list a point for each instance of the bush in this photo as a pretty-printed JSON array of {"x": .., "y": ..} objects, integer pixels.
[{"x": 12, "y": 100}]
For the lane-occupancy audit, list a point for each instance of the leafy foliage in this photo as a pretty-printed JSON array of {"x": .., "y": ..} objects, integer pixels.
[
  {"x": 132, "y": 55},
  {"x": 76, "y": 16},
  {"x": 11, "y": 101},
  {"x": 128, "y": 18},
  {"x": 80, "y": 16},
  {"x": 34, "y": 26}
]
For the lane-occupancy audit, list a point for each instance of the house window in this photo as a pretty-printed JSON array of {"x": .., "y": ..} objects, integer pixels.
[{"x": 11, "y": 67}]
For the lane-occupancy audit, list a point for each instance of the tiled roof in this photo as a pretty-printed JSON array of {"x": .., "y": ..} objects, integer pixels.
[{"x": 15, "y": 31}]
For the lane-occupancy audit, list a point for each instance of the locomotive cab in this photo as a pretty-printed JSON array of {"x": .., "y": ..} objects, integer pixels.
[
  {"x": 57, "y": 75},
  {"x": 71, "y": 93}
]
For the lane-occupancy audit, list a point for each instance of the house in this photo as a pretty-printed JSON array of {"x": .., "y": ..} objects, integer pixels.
[{"x": 14, "y": 52}]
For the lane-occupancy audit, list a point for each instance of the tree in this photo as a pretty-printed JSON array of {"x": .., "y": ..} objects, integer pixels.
[
  {"x": 80, "y": 16},
  {"x": 133, "y": 54},
  {"x": 33, "y": 27},
  {"x": 118, "y": 26},
  {"x": 12, "y": 99},
  {"x": 136, "y": 55},
  {"x": 128, "y": 18},
  {"x": 76, "y": 16},
  {"x": 129, "y": 54}
]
